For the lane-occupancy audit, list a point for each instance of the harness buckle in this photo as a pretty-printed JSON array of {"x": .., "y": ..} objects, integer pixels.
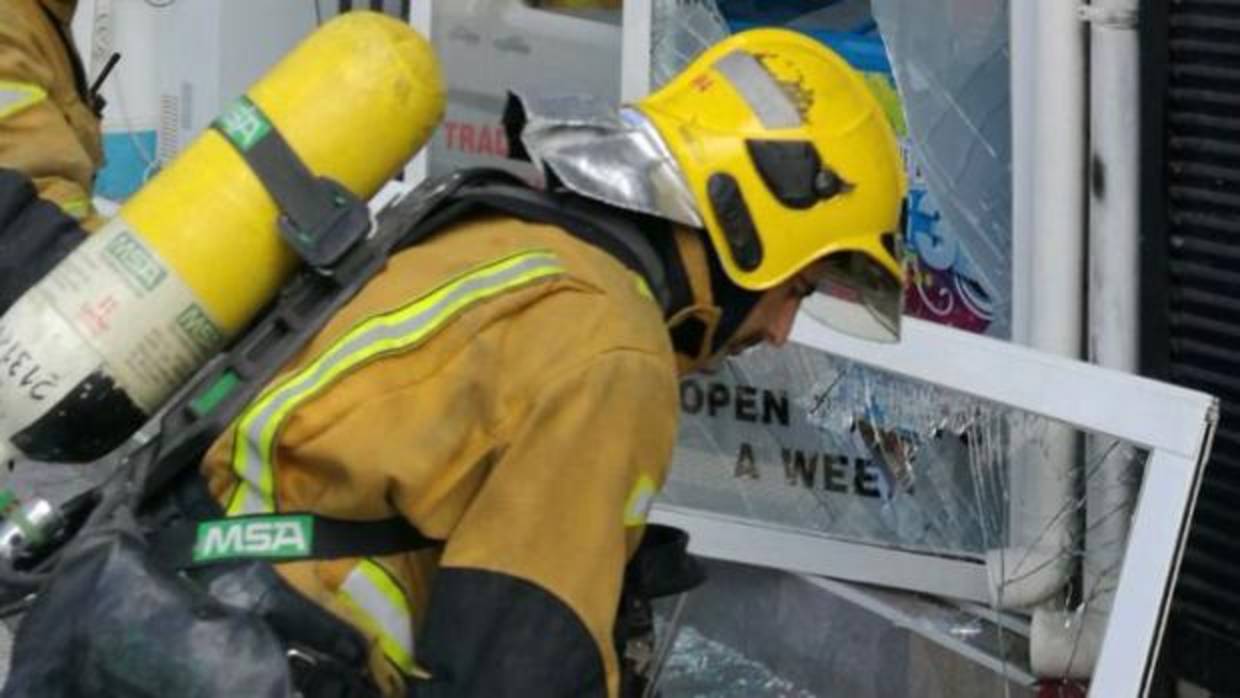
[{"x": 318, "y": 675}]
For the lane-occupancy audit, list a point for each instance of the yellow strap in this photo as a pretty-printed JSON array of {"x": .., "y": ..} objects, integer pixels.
[
  {"x": 382, "y": 335},
  {"x": 16, "y": 96},
  {"x": 379, "y": 604}
]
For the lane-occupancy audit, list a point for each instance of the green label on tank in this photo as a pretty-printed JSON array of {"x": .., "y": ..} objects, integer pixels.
[
  {"x": 194, "y": 322},
  {"x": 136, "y": 260},
  {"x": 244, "y": 124},
  {"x": 264, "y": 537}
]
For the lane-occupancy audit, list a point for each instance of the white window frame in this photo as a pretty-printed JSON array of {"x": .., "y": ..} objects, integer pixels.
[{"x": 1175, "y": 425}]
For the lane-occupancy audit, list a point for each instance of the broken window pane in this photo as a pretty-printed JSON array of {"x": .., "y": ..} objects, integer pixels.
[{"x": 800, "y": 440}]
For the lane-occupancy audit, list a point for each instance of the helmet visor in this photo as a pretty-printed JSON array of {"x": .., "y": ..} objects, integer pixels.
[{"x": 859, "y": 296}]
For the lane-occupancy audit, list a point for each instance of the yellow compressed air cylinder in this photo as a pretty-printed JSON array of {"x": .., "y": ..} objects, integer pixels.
[
  {"x": 97, "y": 346},
  {"x": 355, "y": 100}
]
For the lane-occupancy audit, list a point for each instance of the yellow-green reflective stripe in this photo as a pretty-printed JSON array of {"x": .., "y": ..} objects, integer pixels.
[
  {"x": 16, "y": 96},
  {"x": 381, "y": 606},
  {"x": 76, "y": 207},
  {"x": 642, "y": 287},
  {"x": 380, "y": 335},
  {"x": 641, "y": 498}
]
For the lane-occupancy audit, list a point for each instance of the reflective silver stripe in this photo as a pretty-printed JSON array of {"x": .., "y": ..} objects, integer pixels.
[
  {"x": 759, "y": 88},
  {"x": 398, "y": 330},
  {"x": 8, "y": 98},
  {"x": 16, "y": 96},
  {"x": 370, "y": 591}
]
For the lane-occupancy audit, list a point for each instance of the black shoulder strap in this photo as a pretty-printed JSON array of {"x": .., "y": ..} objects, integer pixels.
[
  {"x": 444, "y": 203},
  {"x": 596, "y": 224}
]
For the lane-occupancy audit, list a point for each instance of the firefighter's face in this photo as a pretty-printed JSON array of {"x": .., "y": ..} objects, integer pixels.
[{"x": 771, "y": 319}]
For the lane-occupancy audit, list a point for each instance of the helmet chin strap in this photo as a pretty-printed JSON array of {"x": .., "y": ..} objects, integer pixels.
[
  {"x": 734, "y": 303},
  {"x": 701, "y": 331}
]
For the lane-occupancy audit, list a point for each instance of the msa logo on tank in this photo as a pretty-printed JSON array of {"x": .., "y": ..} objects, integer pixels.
[
  {"x": 199, "y": 328},
  {"x": 142, "y": 268},
  {"x": 265, "y": 537},
  {"x": 139, "y": 264}
]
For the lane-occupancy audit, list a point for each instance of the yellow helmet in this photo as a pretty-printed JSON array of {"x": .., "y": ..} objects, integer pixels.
[{"x": 790, "y": 159}]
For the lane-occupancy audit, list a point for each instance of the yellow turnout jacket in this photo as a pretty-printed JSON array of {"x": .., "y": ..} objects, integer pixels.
[{"x": 507, "y": 389}]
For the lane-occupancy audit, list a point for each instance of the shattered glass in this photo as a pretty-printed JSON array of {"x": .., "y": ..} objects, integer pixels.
[
  {"x": 795, "y": 636},
  {"x": 706, "y": 668},
  {"x": 680, "y": 30},
  {"x": 950, "y": 60},
  {"x": 797, "y": 439}
]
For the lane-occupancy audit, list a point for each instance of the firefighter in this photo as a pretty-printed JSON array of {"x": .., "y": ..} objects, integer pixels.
[
  {"x": 50, "y": 142},
  {"x": 438, "y": 495},
  {"x": 509, "y": 386}
]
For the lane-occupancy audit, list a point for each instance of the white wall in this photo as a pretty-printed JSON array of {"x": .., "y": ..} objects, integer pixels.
[
  {"x": 127, "y": 26},
  {"x": 132, "y": 114}
]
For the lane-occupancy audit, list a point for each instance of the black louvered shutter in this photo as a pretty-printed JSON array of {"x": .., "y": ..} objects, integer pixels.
[{"x": 1192, "y": 270}]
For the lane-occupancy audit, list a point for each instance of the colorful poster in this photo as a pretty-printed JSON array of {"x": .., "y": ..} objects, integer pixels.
[{"x": 944, "y": 286}]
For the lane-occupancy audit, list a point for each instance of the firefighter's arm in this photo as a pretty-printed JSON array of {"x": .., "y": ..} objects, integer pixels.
[
  {"x": 524, "y": 603},
  {"x": 36, "y": 138}
]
